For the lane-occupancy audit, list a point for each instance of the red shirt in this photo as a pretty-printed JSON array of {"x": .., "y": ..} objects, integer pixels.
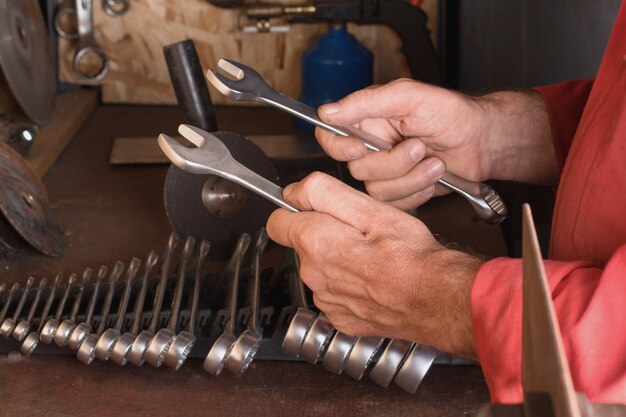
[{"x": 587, "y": 266}]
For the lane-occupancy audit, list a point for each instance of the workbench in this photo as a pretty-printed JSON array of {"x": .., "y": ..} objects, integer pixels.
[{"x": 112, "y": 213}]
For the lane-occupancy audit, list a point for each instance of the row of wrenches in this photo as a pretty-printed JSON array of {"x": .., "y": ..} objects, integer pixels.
[
  {"x": 153, "y": 345},
  {"x": 309, "y": 336}
]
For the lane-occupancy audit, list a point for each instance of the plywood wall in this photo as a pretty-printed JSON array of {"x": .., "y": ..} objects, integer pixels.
[{"x": 138, "y": 73}]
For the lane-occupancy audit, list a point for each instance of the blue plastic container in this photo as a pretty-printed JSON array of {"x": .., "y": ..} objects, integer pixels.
[{"x": 334, "y": 67}]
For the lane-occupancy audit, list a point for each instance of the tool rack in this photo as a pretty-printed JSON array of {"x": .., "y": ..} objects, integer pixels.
[{"x": 114, "y": 213}]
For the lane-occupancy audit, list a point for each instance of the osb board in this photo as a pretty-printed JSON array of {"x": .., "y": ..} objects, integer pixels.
[{"x": 134, "y": 44}]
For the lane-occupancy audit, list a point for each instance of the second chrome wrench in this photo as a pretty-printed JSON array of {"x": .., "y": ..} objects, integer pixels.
[
  {"x": 249, "y": 85},
  {"x": 213, "y": 157}
]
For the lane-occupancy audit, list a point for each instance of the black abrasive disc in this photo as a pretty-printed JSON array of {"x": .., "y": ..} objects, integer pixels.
[{"x": 209, "y": 207}]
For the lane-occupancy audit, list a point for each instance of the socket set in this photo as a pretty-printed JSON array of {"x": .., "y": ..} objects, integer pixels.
[{"x": 166, "y": 309}]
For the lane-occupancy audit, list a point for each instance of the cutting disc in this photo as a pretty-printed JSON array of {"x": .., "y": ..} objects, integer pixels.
[
  {"x": 27, "y": 212},
  {"x": 25, "y": 57},
  {"x": 11, "y": 243},
  {"x": 209, "y": 207},
  {"x": 11, "y": 157}
]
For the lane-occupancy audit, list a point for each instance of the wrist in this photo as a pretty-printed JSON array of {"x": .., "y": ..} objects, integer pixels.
[
  {"x": 451, "y": 274},
  {"x": 516, "y": 138}
]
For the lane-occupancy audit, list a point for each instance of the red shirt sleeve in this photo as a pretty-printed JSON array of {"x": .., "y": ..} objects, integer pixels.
[
  {"x": 589, "y": 303},
  {"x": 565, "y": 102}
]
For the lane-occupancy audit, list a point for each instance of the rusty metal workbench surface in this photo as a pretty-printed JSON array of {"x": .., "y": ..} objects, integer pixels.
[{"x": 112, "y": 213}]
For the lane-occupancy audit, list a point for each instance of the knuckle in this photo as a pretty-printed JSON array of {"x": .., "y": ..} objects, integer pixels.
[
  {"x": 311, "y": 278},
  {"x": 312, "y": 181}
]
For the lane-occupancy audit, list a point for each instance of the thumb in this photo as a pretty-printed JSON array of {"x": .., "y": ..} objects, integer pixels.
[{"x": 395, "y": 99}]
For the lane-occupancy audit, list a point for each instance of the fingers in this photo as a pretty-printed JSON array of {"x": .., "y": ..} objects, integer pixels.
[
  {"x": 313, "y": 235},
  {"x": 385, "y": 165},
  {"x": 340, "y": 148},
  {"x": 419, "y": 177},
  {"x": 324, "y": 194},
  {"x": 414, "y": 200}
]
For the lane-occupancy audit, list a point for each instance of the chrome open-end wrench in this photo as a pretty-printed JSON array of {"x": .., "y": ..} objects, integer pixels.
[
  {"x": 83, "y": 329},
  {"x": 23, "y": 327},
  {"x": 87, "y": 351},
  {"x": 184, "y": 341},
  {"x": 121, "y": 349},
  {"x": 50, "y": 328},
  {"x": 8, "y": 325},
  {"x": 7, "y": 303},
  {"x": 303, "y": 318},
  {"x": 249, "y": 85},
  {"x": 67, "y": 326},
  {"x": 216, "y": 358},
  {"x": 247, "y": 344},
  {"x": 32, "y": 339},
  {"x": 137, "y": 353},
  {"x": 211, "y": 156},
  {"x": 163, "y": 339},
  {"x": 109, "y": 338}
]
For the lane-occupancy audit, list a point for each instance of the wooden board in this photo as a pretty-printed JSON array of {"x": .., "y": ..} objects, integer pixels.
[
  {"x": 138, "y": 71},
  {"x": 70, "y": 110}
]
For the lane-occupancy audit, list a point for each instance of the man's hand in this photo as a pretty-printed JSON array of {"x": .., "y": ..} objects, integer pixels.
[
  {"x": 503, "y": 135},
  {"x": 375, "y": 270}
]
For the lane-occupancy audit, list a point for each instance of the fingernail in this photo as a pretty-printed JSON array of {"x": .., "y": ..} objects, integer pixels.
[
  {"x": 416, "y": 151},
  {"x": 331, "y": 108},
  {"x": 287, "y": 191},
  {"x": 436, "y": 168}
]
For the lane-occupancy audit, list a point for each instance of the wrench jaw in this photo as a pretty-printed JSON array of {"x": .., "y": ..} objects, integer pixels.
[
  {"x": 180, "y": 349},
  {"x": 338, "y": 351},
  {"x": 216, "y": 358},
  {"x": 362, "y": 356},
  {"x": 245, "y": 84},
  {"x": 243, "y": 351},
  {"x": 297, "y": 331},
  {"x": 317, "y": 339},
  {"x": 181, "y": 156},
  {"x": 225, "y": 86}
]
